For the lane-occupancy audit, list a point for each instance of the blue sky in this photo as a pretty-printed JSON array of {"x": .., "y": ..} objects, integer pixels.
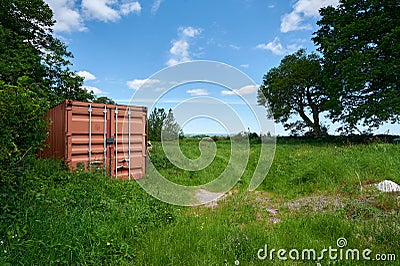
[{"x": 119, "y": 44}]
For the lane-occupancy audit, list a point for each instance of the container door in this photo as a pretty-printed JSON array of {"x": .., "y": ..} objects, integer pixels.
[
  {"x": 129, "y": 152},
  {"x": 87, "y": 136},
  {"x": 107, "y": 138}
]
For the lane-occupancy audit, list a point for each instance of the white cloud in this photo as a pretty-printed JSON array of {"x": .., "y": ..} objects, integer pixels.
[
  {"x": 67, "y": 16},
  {"x": 100, "y": 10},
  {"x": 95, "y": 90},
  {"x": 310, "y": 8},
  {"x": 173, "y": 61},
  {"x": 86, "y": 75},
  {"x": 249, "y": 89},
  {"x": 303, "y": 9},
  {"x": 158, "y": 89},
  {"x": 245, "y": 65},
  {"x": 277, "y": 48},
  {"x": 291, "y": 48},
  {"x": 128, "y": 8},
  {"x": 292, "y": 22},
  {"x": 142, "y": 83},
  {"x": 198, "y": 92},
  {"x": 70, "y": 16},
  {"x": 156, "y": 6},
  {"x": 190, "y": 31},
  {"x": 179, "y": 51}
]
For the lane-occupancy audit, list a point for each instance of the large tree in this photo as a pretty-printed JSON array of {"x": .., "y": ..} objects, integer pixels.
[
  {"x": 360, "y": 42},
  {"x": 171, "y": 129},
  {"x": 34, "y": 75},
  {"x": 294, "y": 88},
  {"x": 156, "y": 121},
  {"x": 28, "y": 48},
  {"x": 163, "y": 126}
]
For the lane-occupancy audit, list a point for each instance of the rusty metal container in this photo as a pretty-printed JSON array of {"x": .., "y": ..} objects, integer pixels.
[{"x": 106, "y": 137}]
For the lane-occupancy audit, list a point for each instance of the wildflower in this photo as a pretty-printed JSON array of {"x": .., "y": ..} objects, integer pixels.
[
  {"x": 5, "y": 251},
  {"x": 108, "y": 243},
  {"x": 247, "y": 238},
  {"x": 1, "y": 242},
  {"x": 201, "y": 226}
]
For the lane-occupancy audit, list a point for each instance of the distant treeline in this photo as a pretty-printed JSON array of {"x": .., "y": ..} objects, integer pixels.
[
  {"x": 348, "y": 139},
  {"x": 345, "y": 139}
]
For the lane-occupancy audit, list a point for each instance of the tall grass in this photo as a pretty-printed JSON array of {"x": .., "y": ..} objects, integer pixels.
[
  {"x": 75, "y": 218},
  {"x": 310, "y": 198},
  {"x": 303, "y": 169}
]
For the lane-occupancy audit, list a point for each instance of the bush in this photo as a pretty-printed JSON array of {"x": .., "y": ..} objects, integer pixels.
[{"x": 21, "y": 121}]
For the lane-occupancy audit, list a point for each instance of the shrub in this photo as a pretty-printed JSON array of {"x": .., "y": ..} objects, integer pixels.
[{"x": 22, "y": 127}]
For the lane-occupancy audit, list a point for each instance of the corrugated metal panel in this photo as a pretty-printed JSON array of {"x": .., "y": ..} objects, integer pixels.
[
  {"x": 98, "y": 136},
  {"x": 56, "y": 131}
]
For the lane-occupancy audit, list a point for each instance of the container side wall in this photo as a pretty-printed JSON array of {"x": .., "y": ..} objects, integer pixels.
[{"x": 55, "y": 142}]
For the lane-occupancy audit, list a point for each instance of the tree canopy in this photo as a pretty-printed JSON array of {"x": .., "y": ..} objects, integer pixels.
[
  {"x": 105, "y": 100},
  {"x": 360, "y": 43},
  {"x": 171, "y": 129},
  {"x": 163, "y": 126},
  {"x": 28, "y": 48},
  {"x": 35, "y": 74},
  {"x": 295, "y": 88},
  {"x": 156, "y": 120}
]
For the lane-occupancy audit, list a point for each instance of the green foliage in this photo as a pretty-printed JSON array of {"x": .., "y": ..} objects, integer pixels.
[
  {"x": 156, "y": 120},
  {"x": 171, "y": 129},
  {"x": 238, "y": 246},
  {"x": 28, "y": 48},
  {"x": 163, "y": 125},
  {"x": 295, "y": 88},
  {"x": 34, "y": 75},
  {"x": 21, "y": 121},
  {"x": 360, "y": 42},
  {"x": 190, "y": 149},
  {"x": 51, "y": 216},
  {"x": 104, "y": 99},
  {"x": 307, "y": 168}
]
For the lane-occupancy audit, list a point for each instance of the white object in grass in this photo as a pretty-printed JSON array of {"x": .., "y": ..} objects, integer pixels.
[{"x": 388, "y": 186}]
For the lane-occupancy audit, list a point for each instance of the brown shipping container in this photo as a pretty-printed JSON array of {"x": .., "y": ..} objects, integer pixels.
[{"x": 109, "y": 137}]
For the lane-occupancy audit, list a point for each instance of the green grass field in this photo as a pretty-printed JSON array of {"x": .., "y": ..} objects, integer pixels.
[{"x": 310, "y": 198}]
